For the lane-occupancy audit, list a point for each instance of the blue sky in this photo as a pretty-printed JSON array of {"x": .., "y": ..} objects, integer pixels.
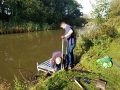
[{"x": 86, "y": 6}]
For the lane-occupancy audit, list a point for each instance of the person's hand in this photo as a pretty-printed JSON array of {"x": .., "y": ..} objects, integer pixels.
[
  {"x": 53, "y": 70},
  {"x": 63, "y": 37}
]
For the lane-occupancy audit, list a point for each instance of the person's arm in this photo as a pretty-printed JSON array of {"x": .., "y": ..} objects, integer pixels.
[
  {"x": 69, "y": 33},
  {"x": 53, "y": 70},
  {"x": 52, "y": 65}
]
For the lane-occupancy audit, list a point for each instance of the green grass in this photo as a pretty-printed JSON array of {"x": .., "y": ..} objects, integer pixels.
[
  {"x": 111, "y": 75},
  {"x": 118, "y": 29},
  {"x": 62, "y": 81}
]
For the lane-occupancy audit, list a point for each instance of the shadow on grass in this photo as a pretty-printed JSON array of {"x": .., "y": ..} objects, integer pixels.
[
  {"x": 78, "y": 57},
  {"x": 84, "y": 48}
]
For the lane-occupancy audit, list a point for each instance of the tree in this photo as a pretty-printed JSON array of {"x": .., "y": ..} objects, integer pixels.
[
  {"x": 4, "y": 10},
  {"x": 41, "y": 11},
  {"x": 114, "y": 9},
  {"x": 61, "y": 10},
  {"x": 99, "y": 11},
  {"x": 28, "y": 10},
  {"x": 113, "y": 14}
]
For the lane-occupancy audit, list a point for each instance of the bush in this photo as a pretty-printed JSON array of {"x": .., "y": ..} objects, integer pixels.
[
  {"x": 83, "y": 44},
  {"x": 109, "y": 30},
  {"x": 101, "y": 38}
]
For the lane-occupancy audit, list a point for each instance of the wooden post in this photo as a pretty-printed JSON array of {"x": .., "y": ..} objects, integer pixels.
[{"x": 62, "y": 66}]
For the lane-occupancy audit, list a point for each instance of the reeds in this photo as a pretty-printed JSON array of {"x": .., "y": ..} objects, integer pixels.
[{"x": 21, "y": 27}]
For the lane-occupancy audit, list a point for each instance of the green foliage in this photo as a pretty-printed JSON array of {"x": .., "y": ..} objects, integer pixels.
[
  {"x": 114, "y": 9},
  {"x": 18, "y": 85},
  {"x": 83, "y": 44},
  {"x": 46, "y": 27},
  {"x": 62, "y": 81},
  {"x": 108, "y": 30},
  {"x": 99, "y": 12},
  {"x": 89, "y": 62},
  {"x": 114, "y": 22},
  {"x": 100, "y": 38},
  {"x": 41, "y": 11},
  {"x": 113, "y": 14},
  {"x": 79, "y": 21},
  {"x": 13, "y": 27}
]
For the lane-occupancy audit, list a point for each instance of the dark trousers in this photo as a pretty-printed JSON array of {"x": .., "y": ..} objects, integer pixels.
[{"x": 70, "y": 56}]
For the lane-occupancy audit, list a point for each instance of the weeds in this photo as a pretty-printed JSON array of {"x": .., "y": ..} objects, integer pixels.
[{"x": 19, "y": 85}]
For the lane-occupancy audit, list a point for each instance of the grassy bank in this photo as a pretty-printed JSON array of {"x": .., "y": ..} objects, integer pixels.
[
  {"x": 111, "y": 75},
  {"x": 87, "y": 67}
]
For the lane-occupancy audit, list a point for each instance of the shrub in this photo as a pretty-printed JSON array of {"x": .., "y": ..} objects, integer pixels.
[
  {"x": 101, "y": 38},
  {"x": 109, "y": 30}
]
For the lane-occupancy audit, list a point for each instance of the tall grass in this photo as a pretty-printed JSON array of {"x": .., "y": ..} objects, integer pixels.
[
  {"x": 21, "y": 27},
  {"x": 19, "y": 85}
]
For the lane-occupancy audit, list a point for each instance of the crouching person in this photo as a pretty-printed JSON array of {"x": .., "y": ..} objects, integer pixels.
[{"x": 56, "y": 61}]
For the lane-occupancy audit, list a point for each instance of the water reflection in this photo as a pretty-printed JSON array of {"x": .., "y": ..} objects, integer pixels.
[{"x": 10, "y": 59}]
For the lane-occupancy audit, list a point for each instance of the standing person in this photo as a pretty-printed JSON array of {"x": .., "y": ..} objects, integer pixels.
[
  {"x": 56, "y": 60},
  {"x": 70, "y": 38}
]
